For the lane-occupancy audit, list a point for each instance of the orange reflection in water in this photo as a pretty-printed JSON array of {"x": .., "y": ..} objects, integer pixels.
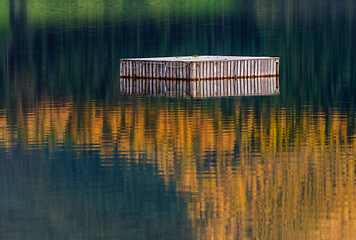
[{"x": 275, "y": 174}]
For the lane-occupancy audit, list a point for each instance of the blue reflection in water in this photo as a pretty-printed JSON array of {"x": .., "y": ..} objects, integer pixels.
[{"x": 63, "y": 193}]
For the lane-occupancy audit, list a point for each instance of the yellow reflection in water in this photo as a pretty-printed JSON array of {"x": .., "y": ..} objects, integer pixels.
[{"x": 276, "y": 174}]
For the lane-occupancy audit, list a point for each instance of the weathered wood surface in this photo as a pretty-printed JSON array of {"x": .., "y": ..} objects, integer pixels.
[
  {"x": 203, "y": 88},
  {"x": 199, "y": 68}
]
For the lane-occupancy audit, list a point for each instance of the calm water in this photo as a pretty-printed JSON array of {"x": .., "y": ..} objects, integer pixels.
[{"x": 80, "y": 160}]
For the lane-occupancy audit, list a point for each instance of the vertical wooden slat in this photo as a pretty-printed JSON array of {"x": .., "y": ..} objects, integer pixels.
[
  {"x": 201, "y": 69},
  {"x": 181, "y": 68},
  {"x": 277, "y": 68},
  {"x": 207, "y": 87},
  {"x": 198, "y": 70},
  {"x": 212, "y": 69},
  {"x": 143, "y": 71},
  {"x": 228, "y": 70},
  {"x": 137, "y": 66},
  {"x": 133, "y": 69},
  {"x": 154, "y": 84},
  {"x": 239, "y": 84},
  {"x": 169, "y": 70},
  {"x": 147, "y": 84},
  {"x": 273, "y": 73},
  {"x": 238, "y": 68},
  {"x": 198, "y": 88},
  {"x": 207, "y": 70},
  {"x": 173, "y": 68},
  {"x": 121, "y": 72},
  {"x": 189, "y": 71},
  {"x": 123, "y": 68},
  {"x": 256, "y": 68},
  {"x": 195, "y": 70},
  {"x": 246, "y": 70},
  {"x": 140, "y": 86},
  {"x": 218, "y": 88},
  {"x": 181, "y": 87},
  {"x": 215, "y": 88},
  {"x": 130, "y": 69},
  {"x": 158, "y": 68},
  {"x": 218, "y": 66},
  {"x": 160, "y": 71},
  {"x": 204, "y": 87},
  {"x": 243, "y": 86},
  {"x": 225, "y": 69},
  {"x": 249, "y": 68},
  {"x": 259, "y": 67},
  {"x": 181, "y": 65},
  {"x": 176, "y": 70}
]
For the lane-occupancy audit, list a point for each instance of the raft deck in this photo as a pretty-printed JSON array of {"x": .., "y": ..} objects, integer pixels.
[{"x": 199, "y": 67}]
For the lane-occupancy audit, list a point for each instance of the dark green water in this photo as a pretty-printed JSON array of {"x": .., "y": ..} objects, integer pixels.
[{"x": 79, "y": 160}]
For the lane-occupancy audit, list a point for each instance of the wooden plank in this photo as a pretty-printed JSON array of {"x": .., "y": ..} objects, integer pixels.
[
  {"x": 225, "y": 70},
  {"x": 130, "y": 69},
  {"x": 246, "y": 69},
  {"x": 277, "y": 68},
  {"x": 228, "y": 73},
  {"x": 256, "y": 68}
]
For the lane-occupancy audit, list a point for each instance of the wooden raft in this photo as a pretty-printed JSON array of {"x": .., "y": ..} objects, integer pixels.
[
  {"x": 202, "y": 88},
  {"x": 199, "y": 68}
]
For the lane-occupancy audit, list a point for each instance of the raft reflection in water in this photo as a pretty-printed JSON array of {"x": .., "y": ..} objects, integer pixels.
[{"x": 202, "y": 88}]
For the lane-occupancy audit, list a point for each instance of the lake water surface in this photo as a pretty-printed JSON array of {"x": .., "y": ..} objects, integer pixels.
[{"x": 80, "y": 160}]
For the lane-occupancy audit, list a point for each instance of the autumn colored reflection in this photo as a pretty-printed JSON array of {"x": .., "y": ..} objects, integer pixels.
[{"x": 245, "y": 169}]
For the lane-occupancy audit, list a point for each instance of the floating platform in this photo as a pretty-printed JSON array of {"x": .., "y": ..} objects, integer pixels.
[
  {"x": 200, "y": 89},
  {"x": 199, "y": 67}
]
